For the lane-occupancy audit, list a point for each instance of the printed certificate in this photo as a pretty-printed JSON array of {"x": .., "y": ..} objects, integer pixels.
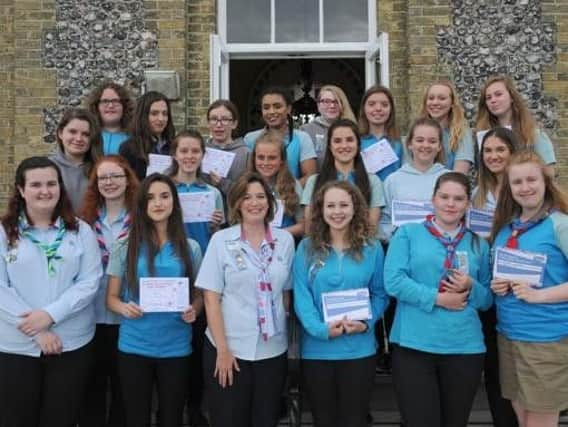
[
  {"x": 353, "y": 304},
  {"x": 408, "y": 211},
  {"x": 164, "y": 294},
  {"x": 378, "y": 156},
  {"x": 513, "y": 264}
]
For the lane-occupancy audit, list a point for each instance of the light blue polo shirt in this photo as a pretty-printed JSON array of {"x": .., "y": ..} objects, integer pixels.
[
  {"x": 158, "y": 335},
  {"x": 465, "y": 150}
]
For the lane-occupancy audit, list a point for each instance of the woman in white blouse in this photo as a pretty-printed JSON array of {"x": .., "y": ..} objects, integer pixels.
[
  {"x": 50, "y": 268},
  {"x": 246, "y": 280}
]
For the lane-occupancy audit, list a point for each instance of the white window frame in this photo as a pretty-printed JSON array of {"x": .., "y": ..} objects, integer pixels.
[{"x": 374, "y": 50}]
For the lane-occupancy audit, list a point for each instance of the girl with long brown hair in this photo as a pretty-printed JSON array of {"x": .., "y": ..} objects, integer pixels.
[
  {"x": 78, "y": 148},
  {"x": 377, "y": 122},
  {"x": 501, "y": 104},
  {"x": 154, "y": 347}
]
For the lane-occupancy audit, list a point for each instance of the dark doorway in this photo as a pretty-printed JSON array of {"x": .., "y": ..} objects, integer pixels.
[{"x": 249, "y": 77}]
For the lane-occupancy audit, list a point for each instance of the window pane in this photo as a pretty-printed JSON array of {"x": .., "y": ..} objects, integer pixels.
[
  {"x": 297, "y": 21},
  {"x": 345, "y": 21},
  {"x": 248, "y": 21}
]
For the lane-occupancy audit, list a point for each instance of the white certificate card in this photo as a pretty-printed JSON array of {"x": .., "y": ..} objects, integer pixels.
[
  {"x": 378, "y": 156},
  {"x": 217, "y": 161},
  {"x": 164, "y": 294},
  {"x": 513, "y": 264},
  {"x": 158, "y": 163},
  {"x": 480, "y": 221},
  {"x": 353, "y": 304},
  {"x": 408, "y": 211},
  {"x": 278, "y": 214},
  {"x": 197, "y": 207}
]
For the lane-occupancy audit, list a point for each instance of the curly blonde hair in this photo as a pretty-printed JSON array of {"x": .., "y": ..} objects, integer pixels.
[
  {"x": 456, "y": 117},
  {"x": 360, "y": 231}
]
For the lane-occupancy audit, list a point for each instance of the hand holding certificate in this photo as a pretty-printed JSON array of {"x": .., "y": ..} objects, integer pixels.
[
  {"x": 352, "y": 304},
  {"x": 164, "y": 294},
  {"x": 217, "y": 161},
  {"x": 519, "y": 266},
  {"x": 378, "y": 156},
  {"x": 158, "y": 163},
  {"x": 197, "y": 207},
  {"x": 408, "y": 211},
  {"x": 278, "y": 214},
  {"x": 480, "y": 221}
]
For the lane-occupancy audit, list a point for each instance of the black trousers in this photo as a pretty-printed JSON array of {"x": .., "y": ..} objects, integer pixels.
[
  {"x": 339, "y": 391},
  {"x": 95, "y": 411},
  {"x": 435, "y": 390},
  {"x": 501, "y": 409},
  {"x": 254, "y": 398},
  {"x": 44, "y": 391},
  {"x": 138, "y": 374},
  {"x": 196, "y": 363}
]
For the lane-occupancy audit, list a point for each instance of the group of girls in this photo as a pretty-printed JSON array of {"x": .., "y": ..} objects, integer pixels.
[{"x": 84, "y": 328}]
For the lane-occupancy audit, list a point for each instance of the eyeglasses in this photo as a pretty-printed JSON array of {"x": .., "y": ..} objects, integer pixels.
[
  {"x": 223, "y": 120},
  {"x": 328, "y": 102},
  {"x": 111, "y": 177},
  {"x": 106, "y": 102}
]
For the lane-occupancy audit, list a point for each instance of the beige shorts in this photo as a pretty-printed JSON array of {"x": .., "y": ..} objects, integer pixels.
[{"x": 534, "y": 374}]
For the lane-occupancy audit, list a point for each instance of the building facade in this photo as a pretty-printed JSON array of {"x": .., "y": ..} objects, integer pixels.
[{"x": 53, "y": 52}]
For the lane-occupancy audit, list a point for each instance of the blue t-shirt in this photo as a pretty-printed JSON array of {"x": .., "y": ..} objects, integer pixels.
[
  {"x": 158, "y": 335},
  {"x": 112, "y": 141},
  {"x": 523, "y": 321}
]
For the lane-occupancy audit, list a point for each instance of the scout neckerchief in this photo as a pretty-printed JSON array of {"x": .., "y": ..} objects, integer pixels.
[
  {"x": 261, "y": 260},
  {"x": 519, "y": 228},
  {"x": 448, "y": 243},
  {"x": 123, "y": 234},
  {"x": 50, "y": 250}
]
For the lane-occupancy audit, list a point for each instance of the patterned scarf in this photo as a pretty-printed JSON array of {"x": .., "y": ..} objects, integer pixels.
[
  {"x": 122, "y": 235},
  {"x": 449, "y": 244},
  {"x": 519, "y": 228},
  {"x": 50, "y": 250},
  {"x": 265, "y": 306}
]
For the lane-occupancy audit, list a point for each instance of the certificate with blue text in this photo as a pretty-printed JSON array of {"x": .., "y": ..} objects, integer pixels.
[
  {"x": 407, "y": 211},
  {"x": 164, "y": 294},
  {"x": 516, "y": 265},
  {"x": 352, "y": 304},
  {"x": 480, "y": 221}
]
